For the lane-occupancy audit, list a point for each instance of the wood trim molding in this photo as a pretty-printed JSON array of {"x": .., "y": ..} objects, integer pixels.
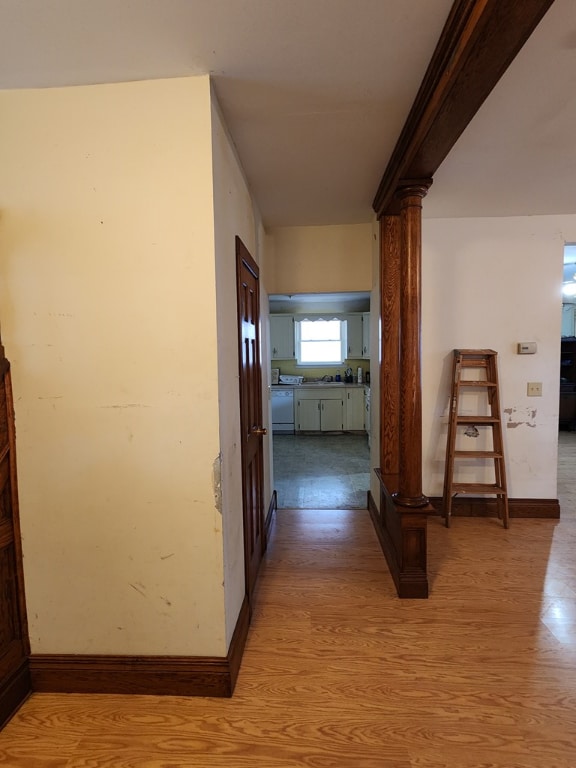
[
  {"x": 145, "y": 675},
  {"x": 14, "y": 691},
  {"x": 472, "y": 506},
  {"x": 479, "y": 41},
  {"x": 272, "y": 509},
  {"x": 238, "y": 644}
]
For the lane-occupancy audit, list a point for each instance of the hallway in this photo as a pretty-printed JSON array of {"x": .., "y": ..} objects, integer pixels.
[{"x": 339, "y": 673}]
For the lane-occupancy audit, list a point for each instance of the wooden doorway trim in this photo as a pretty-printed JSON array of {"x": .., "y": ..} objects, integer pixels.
[
  {"x": 252, "y": 432},
  {"x": 15, "y": 685}
]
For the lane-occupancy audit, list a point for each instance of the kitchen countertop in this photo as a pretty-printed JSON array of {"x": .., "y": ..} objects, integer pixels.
[{"x": 318, "y": 385}]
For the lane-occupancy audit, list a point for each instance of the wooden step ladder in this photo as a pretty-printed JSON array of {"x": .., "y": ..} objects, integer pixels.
[{"x": 481, "y": 380}]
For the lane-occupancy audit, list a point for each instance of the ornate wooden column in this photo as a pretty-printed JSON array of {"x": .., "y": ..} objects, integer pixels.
[
  {"x": 402, "y": 523},
  {"x": 410, "y": 478},
  {"x": 390, "y": 269},
  {"x": 478, "y": 42}
]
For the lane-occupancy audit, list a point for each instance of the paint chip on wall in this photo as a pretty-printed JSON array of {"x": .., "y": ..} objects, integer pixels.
[{"x": 518, "y": 417}]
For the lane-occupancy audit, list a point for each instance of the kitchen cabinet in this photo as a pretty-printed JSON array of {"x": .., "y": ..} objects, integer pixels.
[
  {"x": 320, "y": 412},
  {"x": 367, "y": 416},
  {"x": 282, "y": 337},
  {"x": 366, "y": 335},
  {"x": 354, "y": 409},
  {"x": 354, "y": 336}
]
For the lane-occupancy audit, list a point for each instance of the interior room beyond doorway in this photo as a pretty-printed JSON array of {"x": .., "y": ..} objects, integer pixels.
[{"x": 324, "y": 465}]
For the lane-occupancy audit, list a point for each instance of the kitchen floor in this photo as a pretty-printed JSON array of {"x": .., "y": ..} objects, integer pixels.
[{"x": 321, "y": 471}]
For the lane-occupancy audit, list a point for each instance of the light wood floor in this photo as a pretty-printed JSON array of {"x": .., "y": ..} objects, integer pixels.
[{"x": 339, "y": 673}]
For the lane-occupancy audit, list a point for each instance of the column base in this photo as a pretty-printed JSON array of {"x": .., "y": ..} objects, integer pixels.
[
  {"x": 402, "y": 531},
  {"x": 410, "y": 501}
]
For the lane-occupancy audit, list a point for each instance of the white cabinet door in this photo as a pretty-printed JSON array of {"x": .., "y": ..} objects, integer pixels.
[
  {"x": 354, "y": 336},
  {"x": 332, "y": 415},
  {"x": 282, "y": 337},
  {"x": 308, "y": 415},
  {"x": 366, "y": 335},
  {"x": 354, "y": 409}
]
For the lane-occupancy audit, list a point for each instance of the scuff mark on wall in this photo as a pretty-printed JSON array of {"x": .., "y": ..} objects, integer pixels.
[
  {"x": 519, "y": 417},
  {"x": 126, "y": 405},
  {"x": 217, "y": 482}
]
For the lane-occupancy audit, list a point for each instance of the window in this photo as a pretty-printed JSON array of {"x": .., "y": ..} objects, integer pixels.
[{"x": 320, "y": 342}]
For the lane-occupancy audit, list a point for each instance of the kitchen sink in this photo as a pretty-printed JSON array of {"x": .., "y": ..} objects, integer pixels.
[{"x": 322, "y": 384}]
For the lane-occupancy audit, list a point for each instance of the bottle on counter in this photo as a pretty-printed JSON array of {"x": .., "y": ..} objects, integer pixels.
[{"x": 359, "y": 379}]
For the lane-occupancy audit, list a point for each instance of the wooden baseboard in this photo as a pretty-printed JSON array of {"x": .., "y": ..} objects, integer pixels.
[
  {"x": 238, "y": 643},
  {"x": 14, "y": 691},
  {"x": 272, "y": 509},
  {"x": 463, "y": 506},
  {"x": 146, "y": 675}
]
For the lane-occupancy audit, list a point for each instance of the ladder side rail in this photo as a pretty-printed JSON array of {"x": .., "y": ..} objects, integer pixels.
[{"x": 451, "y": 441}]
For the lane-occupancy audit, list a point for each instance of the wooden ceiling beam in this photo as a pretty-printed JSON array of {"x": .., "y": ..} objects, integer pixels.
[{"x": 479, "y": 41}]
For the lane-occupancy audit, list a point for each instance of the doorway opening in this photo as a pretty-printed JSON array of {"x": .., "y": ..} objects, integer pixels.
[
  {"x": 567, "y": 405},
  {"x": 321, "y": 455}
]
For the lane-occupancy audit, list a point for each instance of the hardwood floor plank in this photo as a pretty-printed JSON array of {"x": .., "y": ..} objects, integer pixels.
[{"x": 340, "y": 673}]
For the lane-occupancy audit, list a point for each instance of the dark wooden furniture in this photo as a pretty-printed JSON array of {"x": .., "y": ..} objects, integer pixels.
[
  {"x": 567, "y": 414},
  {"x": 14, "y": 646}
]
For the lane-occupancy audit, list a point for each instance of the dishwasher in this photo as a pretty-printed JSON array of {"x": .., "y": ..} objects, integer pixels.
[{"x": 282, "y": 410}]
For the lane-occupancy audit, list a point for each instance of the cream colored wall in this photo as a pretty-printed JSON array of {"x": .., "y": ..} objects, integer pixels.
[
  {"x": 107, "y": 304},
  {"x": 320, "y": 259},
  {"x": 492, "y": 283},
  {"x": 234, "y": 214}
]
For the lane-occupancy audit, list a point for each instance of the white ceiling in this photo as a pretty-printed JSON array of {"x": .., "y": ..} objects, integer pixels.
[
  {"x": 518, "y": 155},
  {"x": 315, "y": 93}
]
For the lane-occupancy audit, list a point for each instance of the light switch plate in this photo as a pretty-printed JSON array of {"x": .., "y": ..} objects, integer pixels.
[{"x": 527, "y": 348}]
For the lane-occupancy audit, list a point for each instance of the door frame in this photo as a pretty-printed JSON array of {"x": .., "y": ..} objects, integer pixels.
[{"x": 253, "y": 432}]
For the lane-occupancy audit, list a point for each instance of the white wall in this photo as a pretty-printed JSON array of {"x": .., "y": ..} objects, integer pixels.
[
  {"x": 490, "y": 283},
  {"x": 234, "y": 214},
  {"x": 108, "y": 313}
]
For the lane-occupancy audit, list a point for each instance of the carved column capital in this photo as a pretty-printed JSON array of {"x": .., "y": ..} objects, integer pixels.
[{"x": 412, "y": 188}]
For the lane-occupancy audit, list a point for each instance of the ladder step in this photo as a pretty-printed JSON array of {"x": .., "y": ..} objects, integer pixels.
[
  {"x": 476, "y": 383},
  {"x": 478, "y": 455},
  {"x": 478, "y": 488},
  {"x": 461, "y": 419}
]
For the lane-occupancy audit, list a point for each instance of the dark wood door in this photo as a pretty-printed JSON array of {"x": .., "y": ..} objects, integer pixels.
[
  {"x": 250, "y": 413},
  {"x": 14, "y": 647}
]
